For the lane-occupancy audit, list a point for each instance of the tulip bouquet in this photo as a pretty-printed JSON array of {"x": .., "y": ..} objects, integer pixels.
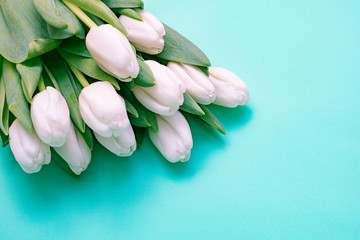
[{"x": 74, "y": 69}]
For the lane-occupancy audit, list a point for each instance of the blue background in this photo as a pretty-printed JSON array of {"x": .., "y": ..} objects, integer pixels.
[{"x": 288, "y": 168}]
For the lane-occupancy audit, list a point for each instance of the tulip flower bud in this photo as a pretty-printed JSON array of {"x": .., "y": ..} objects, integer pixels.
[
  {"x": 173, "y": 139},
  {"x": 75, "y": 151},
  {"x": 198, "y": 85},
  {"x": 148, "y": 35},
  {"x": 112, "y": 52},
  {"x": 231, "y": 91},
  {"x": 29, "y": 151},
  {"x": 166, "y": 96},
  {"x": 50, "y": 116},
  {"x": 122, "y": 146},
  {"x": 103, "y": 109}
]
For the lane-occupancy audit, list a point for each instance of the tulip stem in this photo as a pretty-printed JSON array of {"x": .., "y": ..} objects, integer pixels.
[
  {"x": 80, "y": 76},
  {"x": 80, "y": 14},
  {"x": 41, "y": 86}
]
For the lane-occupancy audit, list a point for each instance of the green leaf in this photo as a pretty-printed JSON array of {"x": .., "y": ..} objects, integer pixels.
[
  {"x": 30, "y": 72},
  {"x": 99, "y": 9},
  {"x": 61, "y": 163},
  {"x": 46, "y": 79},
  {"x": 4, "y": 139},
  {"x": 24, "y": 33},
  {"x": 130, "y": 84},
  {"x": 89, "y": 67},
  {"x": 4, "y": 110},
  {"x": 211, "y": 120},
  {"x": 124, "y": 3},
  {"x": 146, "y": 118},
  {"x": 61, "y": 21},
  {"x": 14, "y": 95},
  {"x": 88, "y": 137},
  {"x": 146, "y": 77},
  {"x": 96, "y": 19},
  {"x": 139, "y": 135},
  {"x": 205, "y": 70},
  {"x": 131, "y": 109},
  {"x": 179, "y": 49},
  {"x": 131, "y": 13},
  {"x": 191, "y": 106},
  {"x": 49, "y": 79},
  {"x": 87, "y": 134},
  {"x": 155, "y": 58},
  {"x": 76, "y": 46},
  {"x": 58, "y": 68},
  {"x": 141, "y": 121}
]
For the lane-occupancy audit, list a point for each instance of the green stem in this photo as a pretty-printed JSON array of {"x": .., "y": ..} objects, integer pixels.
[
  {"x": 80, "y": 14},
  {"x": 41, "y": 86},
  {"x": 80, "y": 76}
]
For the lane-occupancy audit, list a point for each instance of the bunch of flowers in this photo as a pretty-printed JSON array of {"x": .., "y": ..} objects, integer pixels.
[{"x": 74, "y": 69}]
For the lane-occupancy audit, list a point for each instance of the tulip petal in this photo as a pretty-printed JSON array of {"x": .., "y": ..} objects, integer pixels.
[
  {"x": 181, "y": 126},
  {"x": 123, "y": 146},
  {"x": 198, "y": 85},
  {"x": 151, "y": 103},
  {"x": 147, "y": 35},
  {"x": 90, "y": 118},
  {"x": 153, "y": 21},
  {"x": 114, "y": 55},
  {"x": 103, "y": 110},
  {"x": 225, "y": 75},
  {"x": 28, "y": 149},
  {"x": 230, "y": 89},
  {"x": 51, "y": 117},
  {"x": 75, "y": 152},
  {"x": 174, "y": 139},
  {"x": 166, "y": 96}
]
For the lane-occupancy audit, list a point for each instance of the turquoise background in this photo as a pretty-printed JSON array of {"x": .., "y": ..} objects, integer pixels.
[{"x": 288, "y": 168}]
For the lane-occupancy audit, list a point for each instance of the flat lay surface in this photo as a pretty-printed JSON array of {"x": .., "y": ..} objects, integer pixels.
[{"x": 287, "y": 169}]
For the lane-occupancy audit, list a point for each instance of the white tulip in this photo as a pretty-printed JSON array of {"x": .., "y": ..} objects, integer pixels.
[
  {"x": 198, "y": 85},
  {"x": 112, "y": 52},
  {"x": 29, "y": 151},
  {"x": 50, "y": 116},
  {"x": 173, "y": 139},
  {"x": 122, "y": 146},
  {"x": 231, "y": 91},
  {"x": 148, "y": 35},
  {"x": 103, "y": 109},
  {"x": 166, "y": 96},
  {"x": 75, "y": 151}
]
